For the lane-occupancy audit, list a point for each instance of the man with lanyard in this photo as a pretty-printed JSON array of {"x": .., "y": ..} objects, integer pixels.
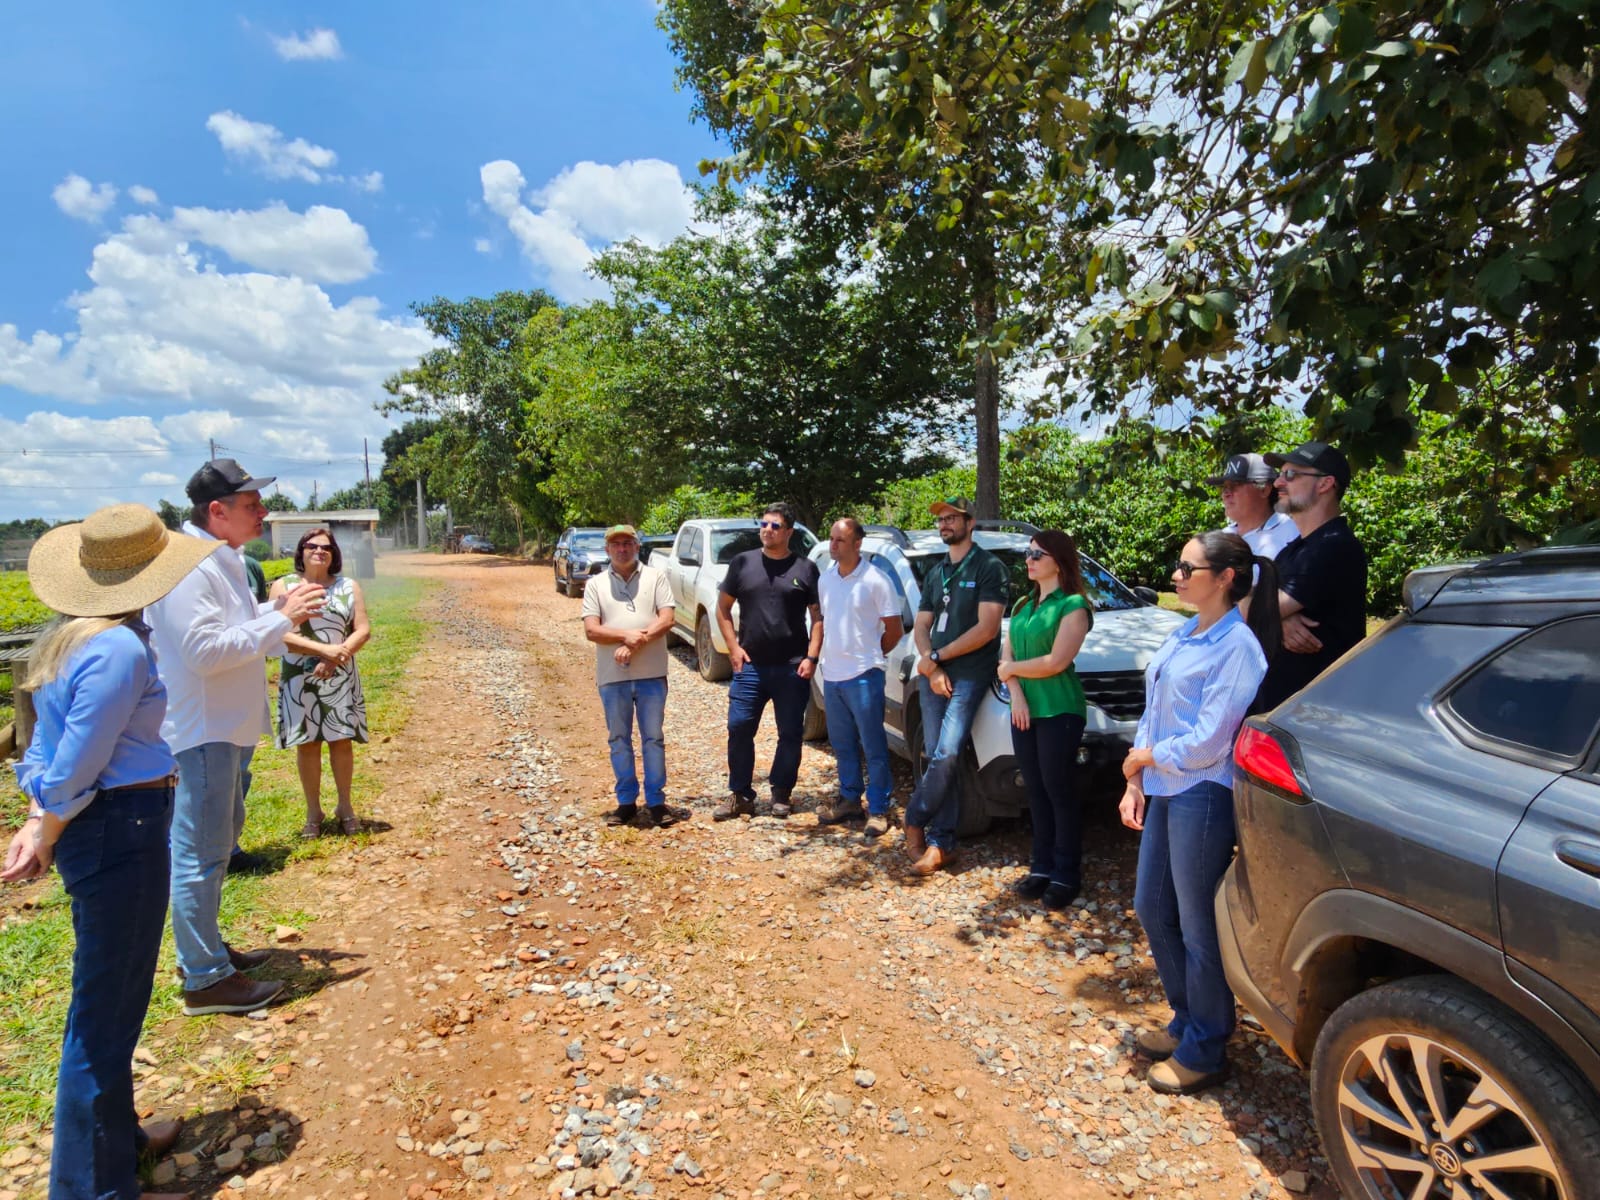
[
  {"x": 862, "y": 613},
  {"x": 1322, "y": 575},
  {"x": 626, "y": 614},
  {"x": 773, "y": 659},
  {"x": 957, "y": 634},
  {"x": 1248, "y": 500}
]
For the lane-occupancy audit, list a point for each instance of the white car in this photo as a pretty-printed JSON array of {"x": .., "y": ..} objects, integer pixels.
[
  {"x": 695, "y": 568},
  {"x": 1128, "y": 629}
]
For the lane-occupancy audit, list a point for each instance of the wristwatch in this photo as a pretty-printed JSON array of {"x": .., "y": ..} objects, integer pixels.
[
  {"x": 933, "y": 657},
  {"x": 812, "y": 659}
]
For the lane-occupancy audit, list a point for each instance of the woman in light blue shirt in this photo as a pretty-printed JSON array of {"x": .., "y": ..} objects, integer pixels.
[
  {"x": 1198, "y": 688},
  {"x": 98, "y": 778}
]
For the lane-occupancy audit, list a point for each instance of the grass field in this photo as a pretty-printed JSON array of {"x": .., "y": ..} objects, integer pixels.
[{"x": 36, "y": 942}]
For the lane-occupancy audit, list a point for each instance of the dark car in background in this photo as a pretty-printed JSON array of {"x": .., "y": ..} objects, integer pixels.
[
  {"x": 476, "y": 543},
  {"x": 1415, "y": 908},
  {"x": 580, "y": 553}
]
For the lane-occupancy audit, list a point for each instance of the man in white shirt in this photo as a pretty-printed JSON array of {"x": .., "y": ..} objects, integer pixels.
[
  {"x": 1249, "y": 500},
  {"x": 211, "y": 639},
  {"x": 861, "y": 614}
]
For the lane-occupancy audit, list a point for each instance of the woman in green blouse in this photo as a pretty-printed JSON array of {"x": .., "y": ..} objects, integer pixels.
[{"x": 1047, "y": 712}]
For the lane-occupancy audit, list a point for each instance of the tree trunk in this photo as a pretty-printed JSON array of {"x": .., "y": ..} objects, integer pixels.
[{"x": 986, "y": 382}]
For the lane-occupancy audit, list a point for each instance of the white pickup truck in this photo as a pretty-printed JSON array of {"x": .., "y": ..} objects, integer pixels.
[{"x": 695, "y": 567}]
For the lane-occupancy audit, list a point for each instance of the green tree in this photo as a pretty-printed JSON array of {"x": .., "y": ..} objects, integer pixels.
[
  {"x": 278, "y": 502},
  {"x": 173, "y": 515},
  {"x": 968, "y": 146}
]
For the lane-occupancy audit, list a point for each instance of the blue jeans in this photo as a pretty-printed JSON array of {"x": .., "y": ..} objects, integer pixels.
[
  {"x": 855, "y": 721},
  {"x": 1047, "y": 756},
  {"x": 207, "y": 816},
  {"x": 647, "y": 698},
  {"x": 246, "y": 753},
  {"x": 1187, "y": 845},
  {"x": 935, "y": 804},
  {"x": 748, "y": 693},
  {"x": 113, "y": 863}
]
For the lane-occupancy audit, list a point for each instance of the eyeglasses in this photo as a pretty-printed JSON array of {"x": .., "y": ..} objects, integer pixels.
[
  {"x": 949, "y": 518},
  {"x": 319, "y": 547},
  {"x": 1187, "y": 569},
  {"x": 1290, "y": 474},
  {"x": 771, "y": 525},
  {"x": 1035, "y": 555}
]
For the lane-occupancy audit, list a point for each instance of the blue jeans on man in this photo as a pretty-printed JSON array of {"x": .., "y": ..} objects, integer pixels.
[
  {"x": 855, "y": 722},
  {"x": 748, "y": 693},
  {"x": 644, "y": 700},
  {"x": 1186, "y": 847},
  {"x": 935, "y": 804},
  {"x": 113, "y": 864},
  {"x": 207, "y": 818}
]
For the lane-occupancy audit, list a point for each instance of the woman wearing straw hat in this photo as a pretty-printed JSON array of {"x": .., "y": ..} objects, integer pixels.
[{"x": 99, "y": 782}]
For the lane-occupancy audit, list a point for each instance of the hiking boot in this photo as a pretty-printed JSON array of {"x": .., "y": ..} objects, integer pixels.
[
  {"x": 877, "y": 826},
  {"x": 663, "y": 816},
  {"x": 623, "y": 814},
  {"x": 734, "y": 806},
  {"x": 839, "y": 811},
  {"x": 781, "y": 807},
  {"x": 1155, "y": 1044},
  {"x": 235, "y": 994},
  {"x": 1172, "y": 1078}
]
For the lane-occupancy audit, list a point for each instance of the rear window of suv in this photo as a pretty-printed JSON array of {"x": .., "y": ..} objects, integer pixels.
[
  {"x": 1106, "y": 591},
  {"x": 1541, "y": 693}
]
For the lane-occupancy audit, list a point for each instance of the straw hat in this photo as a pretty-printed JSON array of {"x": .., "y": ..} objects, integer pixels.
[{"x": 117, "y": 560}]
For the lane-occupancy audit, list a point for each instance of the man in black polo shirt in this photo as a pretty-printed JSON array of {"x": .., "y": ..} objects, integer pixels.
[
  {"x": 773, "y": 658},
  {"x": 1322, "y": 575},
  {"x": 957, "y": 633}
]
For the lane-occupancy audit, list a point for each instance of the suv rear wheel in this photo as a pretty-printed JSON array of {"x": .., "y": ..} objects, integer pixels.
[{"x": 1425, "y": 1087}]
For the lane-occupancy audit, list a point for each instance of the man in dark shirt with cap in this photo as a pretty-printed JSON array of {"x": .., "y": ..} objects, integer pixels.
[{"x": 1322, "y": 575}]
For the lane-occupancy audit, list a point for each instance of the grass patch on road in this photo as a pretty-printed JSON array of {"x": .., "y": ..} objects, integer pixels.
[{"x": 36, "y": 942}]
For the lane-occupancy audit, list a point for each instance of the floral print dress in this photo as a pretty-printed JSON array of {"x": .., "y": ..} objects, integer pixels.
[{"x": 322, "y": 710}]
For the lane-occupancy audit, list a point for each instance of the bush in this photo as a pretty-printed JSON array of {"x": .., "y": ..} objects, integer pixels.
[
  {"x": 19, "y": 608},
  {"x": 277, "y": 568},
  {"x": 260, "y": 549},
  {"x": 690, "y": 503}
]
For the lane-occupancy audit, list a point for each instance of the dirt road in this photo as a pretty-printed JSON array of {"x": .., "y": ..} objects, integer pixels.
[{"x": 517, "y": 1001}]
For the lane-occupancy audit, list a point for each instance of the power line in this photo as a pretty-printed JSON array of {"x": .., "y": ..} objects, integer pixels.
[{"x": 101, "y": 453}]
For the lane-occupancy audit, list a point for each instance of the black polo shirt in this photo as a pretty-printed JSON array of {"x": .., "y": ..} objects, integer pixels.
[
  {"x": 774, "y": 595},
  {"x": 952, "y": 593},
  {"x": 1326, "y": 571}
]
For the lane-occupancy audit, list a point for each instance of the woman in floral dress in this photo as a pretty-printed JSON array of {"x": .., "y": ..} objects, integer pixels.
[{"x": 319, "y": 689}]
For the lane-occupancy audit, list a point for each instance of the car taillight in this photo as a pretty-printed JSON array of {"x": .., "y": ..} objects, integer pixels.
[{"x": 1258, "y": 753}]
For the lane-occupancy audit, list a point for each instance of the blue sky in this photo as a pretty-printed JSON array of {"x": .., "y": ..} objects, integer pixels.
[{"x": 213, "y": 219}]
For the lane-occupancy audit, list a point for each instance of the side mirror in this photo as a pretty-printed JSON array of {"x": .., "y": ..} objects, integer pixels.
[{"x": 1148, "y": 595}]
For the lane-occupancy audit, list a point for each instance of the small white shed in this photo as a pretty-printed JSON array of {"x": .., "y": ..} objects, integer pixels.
[{"x": 355, "y": 529}]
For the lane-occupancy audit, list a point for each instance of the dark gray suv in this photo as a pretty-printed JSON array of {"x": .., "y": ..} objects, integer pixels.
[{"x": 1415, "y": 908}]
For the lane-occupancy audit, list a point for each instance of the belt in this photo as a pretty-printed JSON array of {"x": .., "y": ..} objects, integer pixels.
[{"x": 165, "y": 783}]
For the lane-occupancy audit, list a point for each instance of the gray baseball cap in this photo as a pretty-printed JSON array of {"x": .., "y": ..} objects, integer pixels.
[{"x": 1244, "y": 468}]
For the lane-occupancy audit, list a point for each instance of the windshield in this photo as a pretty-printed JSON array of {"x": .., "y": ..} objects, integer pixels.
[
  {"x": 588, "y": 541},
  {"x": 728, "y": 542},
  {"x": 1106, "y": 591}
]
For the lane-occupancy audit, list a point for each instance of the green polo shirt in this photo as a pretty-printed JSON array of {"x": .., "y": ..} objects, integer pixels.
[
  {"x": 1033, "y": 633},
  {"x": 952, "y": 593}
]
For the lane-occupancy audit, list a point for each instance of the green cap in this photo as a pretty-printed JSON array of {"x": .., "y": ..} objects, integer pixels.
[{"x": 958, "y": 504}]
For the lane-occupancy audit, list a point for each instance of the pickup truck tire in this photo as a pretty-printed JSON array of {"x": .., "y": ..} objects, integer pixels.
[
  {"x": 714, "y": 667},
  {"x": 975, "y": 817},
  {"x": 1477, "y": 1083},
  {"x": 556, "y": 575},
  {"x": 816, "y": 725},
  {"x": 572, "y": 591}
]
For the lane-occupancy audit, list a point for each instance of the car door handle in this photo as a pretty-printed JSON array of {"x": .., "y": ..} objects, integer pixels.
[{"x": 1585, "y": 856}]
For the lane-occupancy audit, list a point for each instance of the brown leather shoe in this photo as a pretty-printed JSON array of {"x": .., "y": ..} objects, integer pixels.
[
  {"x": 247, "y": 960},
  {"x": 235, "y": 994},
  {"x": 916, "y": 844},
  {"x": 932, "y": 860},
  {"x": 1172, "y": 1078},
  {"x": 160, "y": 1137},
  {"x": 1155, "y": 1044},
  {"x": 734, "y": 806}
]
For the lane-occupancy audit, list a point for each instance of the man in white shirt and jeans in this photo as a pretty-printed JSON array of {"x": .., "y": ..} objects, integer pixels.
[
  {"x": 211, "y": 640},
  {"x": 861, "y": 623}
]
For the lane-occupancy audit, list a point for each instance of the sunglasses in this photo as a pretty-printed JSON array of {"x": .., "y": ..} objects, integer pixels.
[
  {"x": 319, "y": 547},
  {"x": 771, "y": 525},
  {"x": 1035, "y": 555},
  {"x": 1187, "y": 569},
  {"x": 1290, "y": 474}
]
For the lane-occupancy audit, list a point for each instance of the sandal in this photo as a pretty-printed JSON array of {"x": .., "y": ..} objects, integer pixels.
[
  {"x": 311, "y": 830},
  {"x": 350, "y": 825}
]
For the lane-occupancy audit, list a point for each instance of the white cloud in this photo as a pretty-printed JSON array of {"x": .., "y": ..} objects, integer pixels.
[
  {"x": 317, "y": 44},
  {"x": 561, "y": 226},
  {"x": 140, "y": 194},
  {"x": 82, "y": 200},
  {"x": 159, "y": 478},
  {"x": 372, "y": 181},
  {"x": 267, "y": 364},
  {"x": 483, "y": 246},
  {"x": 264, "y": 147},
  {"x": 322, "y": 244}
]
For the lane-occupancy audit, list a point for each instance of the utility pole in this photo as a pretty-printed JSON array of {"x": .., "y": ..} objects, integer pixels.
[
  {"x": 213, "y": 443},
  {"x": 366, "y": 465},
  {"x": 422, "y": 517}
]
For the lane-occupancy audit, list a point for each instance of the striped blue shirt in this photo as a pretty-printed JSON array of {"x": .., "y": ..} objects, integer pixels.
[
  {"x": 1198, "y": 688},
  {"x": 97, "y": 724}
]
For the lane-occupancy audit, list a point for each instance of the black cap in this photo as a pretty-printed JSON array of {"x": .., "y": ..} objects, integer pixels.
[
  {"x": 1319, "y": 456},
  {"x": 222, "y": 477},
  {"x": 1244, "y": 468}
]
